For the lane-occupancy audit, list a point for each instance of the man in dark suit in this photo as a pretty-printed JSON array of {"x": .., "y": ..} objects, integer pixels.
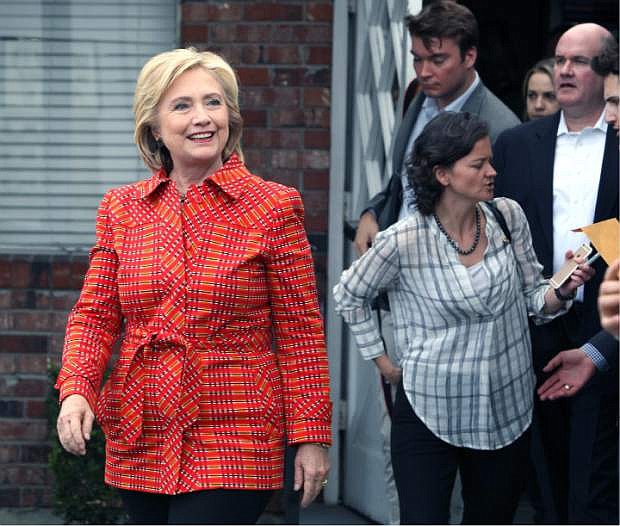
[{"x": 563, "y": 170}]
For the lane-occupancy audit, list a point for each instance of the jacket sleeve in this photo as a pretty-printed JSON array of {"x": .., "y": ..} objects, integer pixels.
[
  {"x": 94, "y": 321},
  {"x": 298, "y": 325}
]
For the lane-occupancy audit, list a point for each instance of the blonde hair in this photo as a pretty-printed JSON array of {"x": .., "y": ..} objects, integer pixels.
[{"x": 157, "y": 76}]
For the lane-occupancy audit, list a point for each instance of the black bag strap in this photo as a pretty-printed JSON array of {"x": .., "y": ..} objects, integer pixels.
[{"x": 499, "y": 217}]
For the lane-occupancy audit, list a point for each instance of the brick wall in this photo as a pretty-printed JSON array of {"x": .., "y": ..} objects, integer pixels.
[
  {"x": 36, "y": 294},
  {"x": 282, "y": 53}
]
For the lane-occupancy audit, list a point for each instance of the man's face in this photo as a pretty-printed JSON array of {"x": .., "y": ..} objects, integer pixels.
[
  {"x": 576, "y": 85},
  {"x": 611, "y": 92},
  {"x": 442, "y": 72}
]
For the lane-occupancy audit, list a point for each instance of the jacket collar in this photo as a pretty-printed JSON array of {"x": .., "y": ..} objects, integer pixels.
[{"x": 230, "y": 178}]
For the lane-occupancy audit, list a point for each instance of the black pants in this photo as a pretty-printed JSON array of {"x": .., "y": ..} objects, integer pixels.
[
  {"x": 425, "y": 470},
  {"x": 218, "y": 506}
]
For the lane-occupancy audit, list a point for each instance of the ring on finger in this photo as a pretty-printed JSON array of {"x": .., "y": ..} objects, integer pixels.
[{"x": 567, "y": 387}]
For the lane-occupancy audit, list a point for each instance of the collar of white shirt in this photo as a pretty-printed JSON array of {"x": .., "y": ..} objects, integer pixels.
[
  {"x": 430, "y": 104},
  {"x": 600, "y": 125}
]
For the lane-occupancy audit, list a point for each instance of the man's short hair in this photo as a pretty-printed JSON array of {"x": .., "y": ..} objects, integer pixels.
[
  {"x": 445, "y": 19},
  {"x": 606, "y": 61}
]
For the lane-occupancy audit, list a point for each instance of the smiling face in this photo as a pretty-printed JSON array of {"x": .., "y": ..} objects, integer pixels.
[
  {"x": 577, "y": 87},
  {"x": 193, "y": 121},
  {"x": 441, "y": 70},
  {"x": 471, "y": 178},
  {"x": 540, "y": 97}
]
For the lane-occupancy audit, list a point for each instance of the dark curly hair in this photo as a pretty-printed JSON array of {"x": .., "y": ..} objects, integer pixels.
[{"x": 448, "y": 137}]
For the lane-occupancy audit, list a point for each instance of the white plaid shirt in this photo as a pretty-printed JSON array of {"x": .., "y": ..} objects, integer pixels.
[{"x": 467, "y": 368}]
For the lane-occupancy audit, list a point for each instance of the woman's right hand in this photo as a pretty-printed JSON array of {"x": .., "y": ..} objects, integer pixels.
[
  {"x": 75, "y": 423},
  {"x": 389, "y": 371}
]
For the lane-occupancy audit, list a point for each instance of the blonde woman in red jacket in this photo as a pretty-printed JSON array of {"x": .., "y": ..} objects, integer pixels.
[{"x": 208, "y": 269}]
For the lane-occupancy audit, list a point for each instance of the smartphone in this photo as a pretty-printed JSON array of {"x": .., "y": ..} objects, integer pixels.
[{"x": 558, "y": 279}]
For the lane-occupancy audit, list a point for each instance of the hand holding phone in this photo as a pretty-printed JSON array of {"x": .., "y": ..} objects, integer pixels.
[{"x": 560, "y": 277}]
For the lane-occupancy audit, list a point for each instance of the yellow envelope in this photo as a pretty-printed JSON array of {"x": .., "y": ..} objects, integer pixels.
[{"x": 605, "y": 236}]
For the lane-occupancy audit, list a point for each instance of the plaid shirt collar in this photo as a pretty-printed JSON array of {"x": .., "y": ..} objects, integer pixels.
[{"x": 230, "y": 178}]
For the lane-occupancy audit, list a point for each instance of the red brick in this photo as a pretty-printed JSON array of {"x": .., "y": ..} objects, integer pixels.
[
  {"x": 63, "y": 300},
  {"x": 192, "y": 12},
  {"x": 315, "y": 222},
  {"x": 284, "y": 176},
  {"x": 315, "y": 159},
  {"x": 11, "y": 408},
  {"x": 254, "y": 76},
  {"x": 17, "y": 343},
  {"x": 5, "y": 299},
  {"x": 286, "y": 139},
  {"x": 9, "y": 453},
  {"x": 287, "y": 117},
  {"x": 252, "y": 54},
  {"x": 225, "y": 11},
  {"x": 15, "y": 385},
  {"x": 6, "y": 321},
  {"x": 267, "y": 11},
  {"x": 5, "y": 272},
  {"x": 9, "y": 497},
  {"x": 288, "y": 159},
  {"x": 61, "y": 275},
  {"x": 317, "y": 97},
  {"x": 319, "y": 55},
  {"x": 23, "y": 475},
  {"x": 37, "y": 497},
  {"x": 223, "y": 33},
  {"x": 319, "y": 11},
  {"x": 242, "y": 33},
  {"x": 40, "y": 274},
  {"x": 31, "y": 363},
  {"x": 32, "y": 320},
  {"x": 317, "y": 118},
  {"x": 319, "y": 139},
  {"x": 302, "y": 34},
  {"x": 34, "y": 430},
  {"x": 262, "y": 97},
  {"x": 316, "y": 179},
  {"x": 254, "y": 118},
  {"x": 256, "y": 159},
  {"x": 289, "y": 76},
  {"x": 317, "y": 77},
  {"x": 191, "y": 34},
  {"x": 8, "y": 363},
  {"x": 35, "y": 409},
  {"x": 20, "y": 273},
  {"x": 78, "y": 270},
  {"x": 283, "y": 55},
  {"x": 34, "y": 453}
]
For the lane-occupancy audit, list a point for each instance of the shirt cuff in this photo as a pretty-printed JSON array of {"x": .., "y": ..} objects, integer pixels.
[{"x": 597, "y": 358}]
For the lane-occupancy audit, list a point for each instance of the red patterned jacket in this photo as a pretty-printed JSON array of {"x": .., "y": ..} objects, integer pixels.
[{"x": 222, "y": 350}]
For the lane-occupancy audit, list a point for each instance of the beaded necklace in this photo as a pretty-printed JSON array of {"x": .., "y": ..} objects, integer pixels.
[{"x": 454, "y": 244}]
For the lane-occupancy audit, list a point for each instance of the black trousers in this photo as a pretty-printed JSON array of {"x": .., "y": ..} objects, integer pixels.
[
  {"x": 574, "y": 440},
  {"x": 425, "y": 470},
  {"x": 219, "y": 506}
]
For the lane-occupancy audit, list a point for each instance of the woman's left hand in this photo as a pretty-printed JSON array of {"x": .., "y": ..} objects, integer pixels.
[
  {"x": 311, "y": 468},
  {"x": 579, "y": 276}
]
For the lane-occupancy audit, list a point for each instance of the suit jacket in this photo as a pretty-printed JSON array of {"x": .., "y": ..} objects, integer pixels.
[
  {"x": 387, "y": 203},
  {"x": 524, "y": 158},
  {"x": 198, "y": 398}
]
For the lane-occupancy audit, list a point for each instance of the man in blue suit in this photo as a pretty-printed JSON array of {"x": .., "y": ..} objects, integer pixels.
[{"x": 563, "y": 170}]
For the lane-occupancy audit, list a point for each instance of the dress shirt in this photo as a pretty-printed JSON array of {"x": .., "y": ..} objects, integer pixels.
[
  {"x": 576, "y": 175},
  {"x": 199, "y": 398},
  {"x": 467, "y": 368},
  {"x": 429, "y": 109}
]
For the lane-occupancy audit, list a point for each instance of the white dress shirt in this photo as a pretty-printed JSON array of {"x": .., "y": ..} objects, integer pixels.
[
  {"x": 576, "y": 176},
  {"x": 429, "y": 109}
]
